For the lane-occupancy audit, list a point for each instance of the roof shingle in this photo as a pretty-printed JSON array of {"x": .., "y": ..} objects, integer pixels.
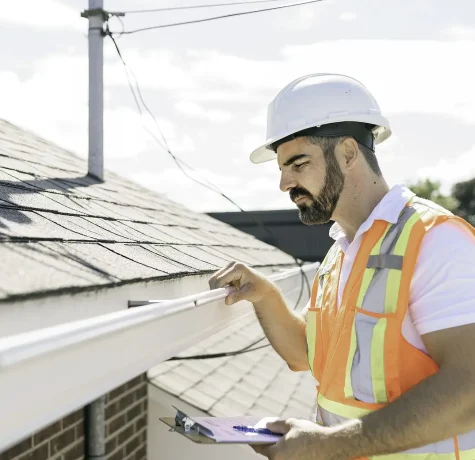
[{"x": 74, "y": 232}]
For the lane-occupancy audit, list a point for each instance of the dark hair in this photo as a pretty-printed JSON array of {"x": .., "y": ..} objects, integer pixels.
[{"x": 328, "y": 144}]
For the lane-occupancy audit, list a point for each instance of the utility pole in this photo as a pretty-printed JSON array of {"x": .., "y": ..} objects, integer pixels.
[
  {"x": 94, "y": 413},
  {"x": 96, "y": 16}
]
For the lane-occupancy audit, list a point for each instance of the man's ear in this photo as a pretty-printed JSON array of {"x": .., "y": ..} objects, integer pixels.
[{"x": 350, "y": 152}]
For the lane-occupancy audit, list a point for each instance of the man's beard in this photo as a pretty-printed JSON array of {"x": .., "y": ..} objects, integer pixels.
[{"x": 323, "y": 206}]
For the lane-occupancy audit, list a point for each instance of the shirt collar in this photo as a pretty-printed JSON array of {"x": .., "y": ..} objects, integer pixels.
[{"x": 388, "y": 209}]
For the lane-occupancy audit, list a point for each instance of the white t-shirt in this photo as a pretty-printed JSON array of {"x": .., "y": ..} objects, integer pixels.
[{"x": 443, "y": 286}]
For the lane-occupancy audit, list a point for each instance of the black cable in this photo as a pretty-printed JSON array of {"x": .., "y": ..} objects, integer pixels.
[
  {"x": 248, "y": 348},
  {"x": 218, "y": 355},
  {"x": 242, "y": 13},
  {"x": 189, "y": 7}
]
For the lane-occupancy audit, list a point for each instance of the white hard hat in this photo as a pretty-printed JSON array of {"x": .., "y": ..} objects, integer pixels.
[{"x": 317, "y": 100}]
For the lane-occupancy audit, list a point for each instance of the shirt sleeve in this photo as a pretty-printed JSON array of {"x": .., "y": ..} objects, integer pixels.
[{"x": 443, "y": 286}]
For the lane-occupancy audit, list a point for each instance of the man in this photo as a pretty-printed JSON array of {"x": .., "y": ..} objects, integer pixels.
[{"x": 389, "y": 332}]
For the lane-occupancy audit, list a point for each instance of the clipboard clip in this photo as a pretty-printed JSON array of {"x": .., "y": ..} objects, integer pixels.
[{"x": 189, "y": 425}]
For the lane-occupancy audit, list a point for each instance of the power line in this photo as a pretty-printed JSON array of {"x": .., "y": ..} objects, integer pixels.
[
  {"x": 192, "y": 7},
  {"x": 242, "y": 13},
  {"x": 213, "y": 188}
]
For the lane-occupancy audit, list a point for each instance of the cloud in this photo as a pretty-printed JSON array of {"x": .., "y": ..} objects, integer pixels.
[
  {"x": 260, "y": 119},
  {"x": 451, "y": 169},
  {"x": 459, "y": 33},
  {"x": 53, "y": 103},
  {"x": 159, "y": 69},
  {"x": 195, "y": 110},
  {"x": 299, "y": 19},
  {"x": 44, "y": 14},
  {"x": 417, "y": 85},
  {"x": 347, "y": 17},
  {"x": 407, "y": 76}
]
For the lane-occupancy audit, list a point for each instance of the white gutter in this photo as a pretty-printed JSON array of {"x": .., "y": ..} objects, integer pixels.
[{"x": 47, "y": 373}]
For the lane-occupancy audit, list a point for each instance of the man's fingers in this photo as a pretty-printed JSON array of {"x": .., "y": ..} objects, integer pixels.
[
  {"x": 261, "y": 448},
  {"x": 212, "y": 280},
  {"x": 233, "y": 273},
  {"x": 238, "y": 294},
  {"x": 280, "y": 426}
]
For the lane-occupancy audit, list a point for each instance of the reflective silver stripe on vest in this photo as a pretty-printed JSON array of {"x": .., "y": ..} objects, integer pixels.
[
  {"x": 374, "y": 301},
  {"x": 382, "y": 263},
  {"x": 466, "y": 441},
  {"x": 385, "y": 261}
]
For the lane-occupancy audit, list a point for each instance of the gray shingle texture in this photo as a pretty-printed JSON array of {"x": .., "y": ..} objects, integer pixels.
[
  {"x": 62, "y": 230},
  {"x": 256, "y": 383}
]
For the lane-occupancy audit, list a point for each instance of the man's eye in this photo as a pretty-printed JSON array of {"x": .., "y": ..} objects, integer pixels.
[{"x": 299, "y": 166}]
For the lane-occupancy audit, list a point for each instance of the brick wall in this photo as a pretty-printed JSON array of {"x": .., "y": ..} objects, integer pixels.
[
  {"x": 63, "y": 440},
  {"x": 126, "y": 421},
  {"x": 126, "y": 430}
]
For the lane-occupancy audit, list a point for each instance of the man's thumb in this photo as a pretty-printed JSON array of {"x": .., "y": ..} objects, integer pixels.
[{"x": 280, "y": 426}]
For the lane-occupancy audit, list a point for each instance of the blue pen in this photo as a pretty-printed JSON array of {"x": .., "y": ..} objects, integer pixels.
[{"x": 251, "y": 429}]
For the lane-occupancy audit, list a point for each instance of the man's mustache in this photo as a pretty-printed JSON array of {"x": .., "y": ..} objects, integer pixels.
[{"x": 298, "y": 193}]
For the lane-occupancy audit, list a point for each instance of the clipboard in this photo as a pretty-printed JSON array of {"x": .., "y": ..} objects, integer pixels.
[
  {"x": 196, "y": 432},
  {"x": 186, "y": 426}
]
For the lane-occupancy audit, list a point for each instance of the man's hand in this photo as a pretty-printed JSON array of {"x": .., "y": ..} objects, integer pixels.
[
  {"x": 302, "y": 440},
  {"x": 247, "y": 283}
]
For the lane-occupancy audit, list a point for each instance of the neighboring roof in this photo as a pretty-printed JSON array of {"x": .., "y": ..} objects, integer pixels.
[
  {"x": 254, "y": 383},
  {"x": 283, "y": 229},
  {"x": 62, "y": 231}
]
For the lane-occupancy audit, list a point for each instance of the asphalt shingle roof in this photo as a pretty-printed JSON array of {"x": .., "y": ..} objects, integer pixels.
[
  {"x": 61, "y": 230},
  {"x": 256, "y": 383}
]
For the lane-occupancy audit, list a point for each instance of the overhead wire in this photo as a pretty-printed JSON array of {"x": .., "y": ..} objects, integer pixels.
[
  {"x": 138, "y": 95},
  {"x": 193, "y": 7},
  {"x": 224, "y": 16}
]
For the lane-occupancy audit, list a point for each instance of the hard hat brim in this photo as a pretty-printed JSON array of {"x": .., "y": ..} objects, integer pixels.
[{"x": 263, "y": 153}]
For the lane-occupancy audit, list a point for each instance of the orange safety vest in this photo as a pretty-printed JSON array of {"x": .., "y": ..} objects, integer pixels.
[{"x": 357, "y": 352}]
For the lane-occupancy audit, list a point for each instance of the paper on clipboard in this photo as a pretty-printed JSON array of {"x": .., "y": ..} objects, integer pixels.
[
  {"x": 220, "y": 429},
  {"x": 223, "y": 432}
]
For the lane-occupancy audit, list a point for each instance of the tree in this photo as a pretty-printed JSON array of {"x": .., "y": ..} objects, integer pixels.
[
  {"x": 430, "y": 190},
  {"x": 464, "y": 193}
]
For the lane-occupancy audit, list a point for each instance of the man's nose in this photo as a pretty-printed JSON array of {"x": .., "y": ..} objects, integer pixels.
[{"x": 286, "y": 182}]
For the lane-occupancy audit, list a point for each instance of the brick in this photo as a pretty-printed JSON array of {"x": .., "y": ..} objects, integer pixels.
[
  {"x": 118, "y": 455},
  {"x": 116, "y": 424},
  {"x": 111, "y": 444},
  {"x": 135, "y": 382},
  {"x": 141, "y": 454},
  {"x": 62, "y": 440},
  {"x": 126, "y": 401},
  {"x": 111, "y": 410},
  {"x": 143, "y": 437},
  {"x": 79, "y": 430},
  {"x": 73, "y": 418},
  {"x": 142, "y": 392},
  {"x": 119, "y": 405},
  {"x": 134, "y": 412},
  {"x": 132, "y": 445},
  {"x": 47, "y": 433},
  {"x": 126, "y": 434},
  {"x": 116, "y": 392},
  {"x": 141, "y": 422},
  {"x": 17, "y": 449},
  {"x": 75, "y": 453},
  {"x": 38, "y": 453}
]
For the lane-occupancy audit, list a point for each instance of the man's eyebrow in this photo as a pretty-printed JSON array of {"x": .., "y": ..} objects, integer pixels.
[{"x": 295, "y": 158}]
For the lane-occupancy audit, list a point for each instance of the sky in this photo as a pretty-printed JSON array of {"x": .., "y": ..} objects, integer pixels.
[{"x": 209, "y": 86}]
